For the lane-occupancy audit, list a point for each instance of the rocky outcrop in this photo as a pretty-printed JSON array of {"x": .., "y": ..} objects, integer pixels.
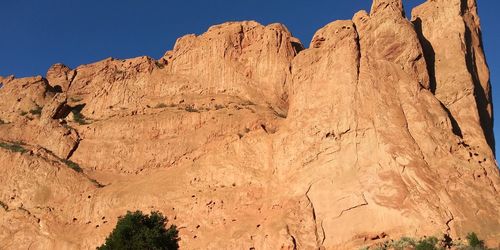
[
  {"x": 456, "y": 61},
  {"x": 247, "y": 140},
  {"x": 60, "y": 76}
]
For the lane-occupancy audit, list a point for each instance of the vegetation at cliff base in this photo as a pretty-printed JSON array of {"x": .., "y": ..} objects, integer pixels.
[
  {"x": 137, "y": 231},
  {"x": 431, "y": 243}
]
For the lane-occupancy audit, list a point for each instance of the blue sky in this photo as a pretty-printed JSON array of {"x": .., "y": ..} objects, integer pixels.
[{"x": 38, "y": 33}]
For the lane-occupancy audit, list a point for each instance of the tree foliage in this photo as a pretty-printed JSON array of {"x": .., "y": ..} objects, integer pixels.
[{"x": 137, "y": 231}]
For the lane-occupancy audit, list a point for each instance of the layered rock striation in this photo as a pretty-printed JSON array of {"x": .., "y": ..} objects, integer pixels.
[{"x": 247, "y": 140}]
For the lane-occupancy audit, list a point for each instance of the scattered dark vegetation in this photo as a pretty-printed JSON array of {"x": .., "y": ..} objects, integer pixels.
[
  {"x": 78, "y": 117},
  {"x": 191, "y": 109},
  {"x": 160, "y": 106},
  {"x": 137, "y": 231},
  {"x": 4, "y": 206},
  {"x": 432, "y": 243},
  {"x": 219, "y": 106},
  {"x": 15, "y": 147},
  {"x": 23, "y": 113},
  {"x": 73, "y": 165},
  {"x": 159, "y": 64},
  {"x": 474, "y": 242},
  {"x": 36, "y": 111},
  {"x": 75, "y": 99}
]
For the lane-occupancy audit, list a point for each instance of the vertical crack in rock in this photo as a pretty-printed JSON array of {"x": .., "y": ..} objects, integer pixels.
[
  {"x": 72, "y": 78},
  {"x": 356, "y": 94},
  {"x": 448, "y": 230},
  {"x": 320, "y": 239},
  {"x": 75, "y": 147},
  {"x": 479, "y": 93},
  {"x": 294, "y": 241}
]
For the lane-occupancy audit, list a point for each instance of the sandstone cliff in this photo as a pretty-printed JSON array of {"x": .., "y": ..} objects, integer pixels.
[{"x": 247, "y": 140}]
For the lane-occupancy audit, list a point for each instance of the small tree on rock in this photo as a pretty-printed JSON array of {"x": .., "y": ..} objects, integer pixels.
[{"x": 137, "y": 231}]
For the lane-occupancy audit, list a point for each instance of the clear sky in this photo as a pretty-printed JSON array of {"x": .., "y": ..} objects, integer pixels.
[{"x": 38, "y": 33}]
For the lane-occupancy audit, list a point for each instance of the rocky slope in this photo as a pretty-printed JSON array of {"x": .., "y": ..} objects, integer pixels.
[{"x": 247, "y": 140}]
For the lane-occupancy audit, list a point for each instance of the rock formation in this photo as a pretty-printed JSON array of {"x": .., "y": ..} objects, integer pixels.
[{"x": 247, "y": 140}]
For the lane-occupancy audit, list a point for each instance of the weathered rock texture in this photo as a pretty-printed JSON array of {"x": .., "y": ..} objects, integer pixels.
[{"x": 246, "y": 140}]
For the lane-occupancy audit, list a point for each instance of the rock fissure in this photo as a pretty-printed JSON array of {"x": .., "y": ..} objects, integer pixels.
[
  {"x": 365, "y": 203},
  {"x": 318, "y": 226}
]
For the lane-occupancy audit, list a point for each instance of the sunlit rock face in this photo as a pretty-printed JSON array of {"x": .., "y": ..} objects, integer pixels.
[{"x": 247, "y": 140}]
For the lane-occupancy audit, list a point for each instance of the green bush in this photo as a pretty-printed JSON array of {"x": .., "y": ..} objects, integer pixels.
[
  {"x": 431, "y": 243},
  {"x": 14, "y": 147},
  {"x": 191, "y": 109},
  {"x": 403, "y": 243},
  {"x": 75, "y": 99},
  {"x": 36, "y": 111},
  {"x": 427, "y": 244},
  {"x": 474, "y": 241},
  {"x": 73, "y": 165},
  {"x": 78, "y": 117},
  {"x": 136, "y": 231}
]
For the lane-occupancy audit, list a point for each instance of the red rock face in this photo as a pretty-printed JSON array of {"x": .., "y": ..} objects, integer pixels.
[{"x": 244, "y": 139}]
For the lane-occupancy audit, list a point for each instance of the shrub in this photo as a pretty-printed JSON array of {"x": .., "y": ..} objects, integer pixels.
[
  {"x": 4, "y": 206},
  {"x": 160, "y": 106},
  {"x": 427, "y": 244},
  {"x": 431, "y": 243},
  {"x": 191, "y": 109},
  {"x": 474, "y": 241},
  {"x": 14, "y": 147},
  {"x": 138, "y": 231},
  {"x": 2, "y": 122},
  {"x": 159, "y": 64},
  {"x": 403, "y": 243},
  {"x": 73, "y": 166},
  {"x": 36, "y": 111},
  {"x": 78, "y": 117},
  {"x": 75, "y": 99}
]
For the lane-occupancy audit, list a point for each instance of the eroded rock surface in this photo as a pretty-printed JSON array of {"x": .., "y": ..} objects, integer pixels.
[{"x": 246, "y": 140}]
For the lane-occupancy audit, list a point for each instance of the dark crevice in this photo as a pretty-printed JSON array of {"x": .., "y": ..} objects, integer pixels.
[
  {"x": 294, "y": 241},
  {"x": 75, "y": 147},
  {"x": 454, "y": 124},
  {"x": 264, "y": 128},
  {"x": 56, "y": 89},
  {"x": 479, "y": 93},
  {"x": 72, "y": 79},
  {"x": 429, "y": 54},
  {"x": 298, "y": 47}
]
